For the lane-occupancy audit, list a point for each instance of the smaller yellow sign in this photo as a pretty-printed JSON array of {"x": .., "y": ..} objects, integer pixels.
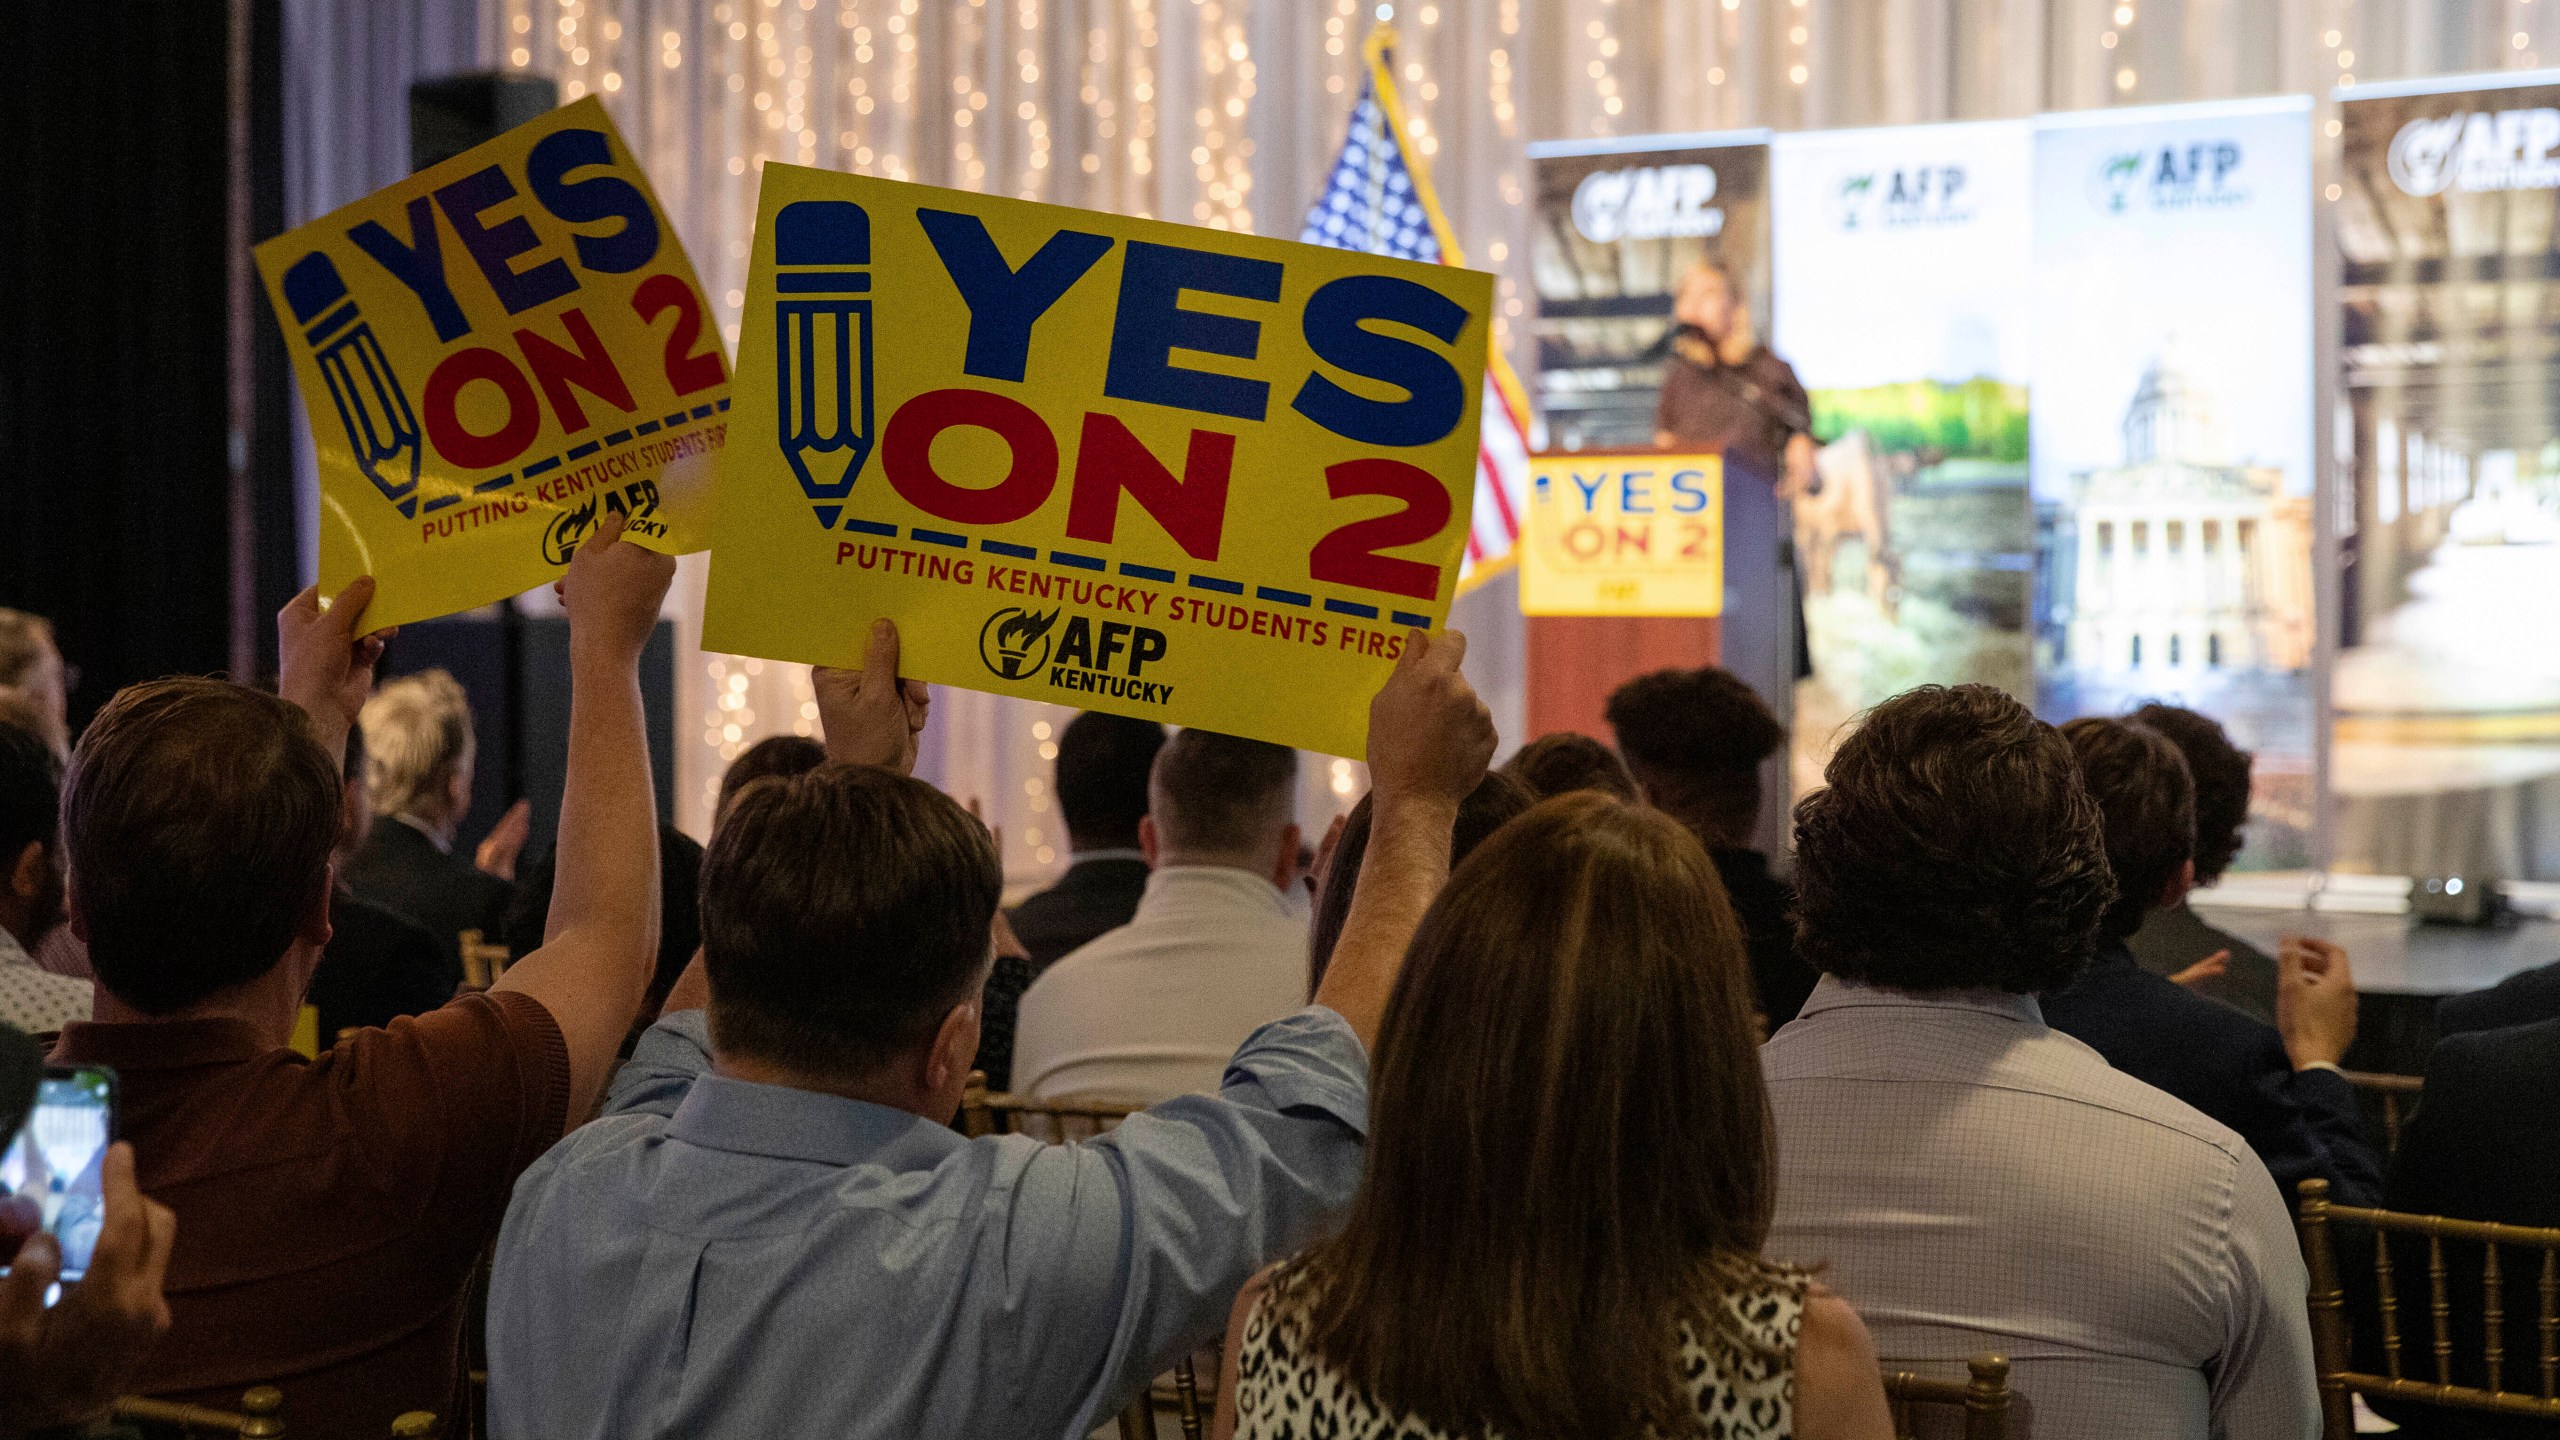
[{"x": 1624, "y": 534}]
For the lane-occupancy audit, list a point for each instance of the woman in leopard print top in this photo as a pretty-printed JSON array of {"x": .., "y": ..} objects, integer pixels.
[{"x": 1569, "y": 1178}]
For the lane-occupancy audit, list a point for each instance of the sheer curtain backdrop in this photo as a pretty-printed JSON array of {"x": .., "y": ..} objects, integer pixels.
[{"x": 1225, "y": 113}]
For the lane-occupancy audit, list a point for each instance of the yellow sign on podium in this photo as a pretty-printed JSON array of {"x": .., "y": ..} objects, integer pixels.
[
  {"x": 1624, "y": 534},
  {"x": 1184, "y": 474}
]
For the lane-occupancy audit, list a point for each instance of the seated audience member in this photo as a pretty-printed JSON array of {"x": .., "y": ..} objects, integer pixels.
[
  {"x": 31, "y": 887},
  {"x": 2478, "y": 1148},
  {"x": 2281, "y": 1090},
  {"x": 679, "y": 914},
  {"x": 1974, "y": 1180},
  {"x": 419, "y": 754},
  {"x": 2175, "y": 941},
  {"x": 1153, "y": 1009},
  {"x": 378, "y": 965},
  {"x": 1490, "y": 805},
  {"x": 1553, "y": 765},
  {"x": 1559, "y": 1231},
  {"x": 1694, "y": 740},
  {"x": 61, "y": 1367},
  {"x": 1101, "y": 783},
  {"x": 2525, "y": 998},
  {"x": 32, "y": 670},
  {"x": 783, "y": 755},
  {"x": 774, "y": 1231},
  {"x": 335, "y": 1207}
]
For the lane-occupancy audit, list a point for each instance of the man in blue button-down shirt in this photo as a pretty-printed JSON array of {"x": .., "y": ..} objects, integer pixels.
[{"x": 772, "y": 1232}]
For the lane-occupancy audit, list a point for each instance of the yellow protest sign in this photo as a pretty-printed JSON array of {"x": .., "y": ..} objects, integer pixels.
[
  {"x": 1624, "y": 533},
  {"x": 497, "y": 352},
  {"x": 1179, "y": 473}
]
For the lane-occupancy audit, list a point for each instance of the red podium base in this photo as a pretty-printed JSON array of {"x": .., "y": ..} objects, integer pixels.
[{"x": 1574, "y": 661}]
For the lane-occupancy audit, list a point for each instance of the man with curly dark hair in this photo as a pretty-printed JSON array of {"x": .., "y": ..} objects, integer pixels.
[
  {"x": 2174, "y": 940},
  {"x": 1695, "y": 741},
  {"x": 1973, "y": 1179}
]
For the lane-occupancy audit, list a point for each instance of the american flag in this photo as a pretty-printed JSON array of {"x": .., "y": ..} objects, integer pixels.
[{"x": 1378, "y": 199}]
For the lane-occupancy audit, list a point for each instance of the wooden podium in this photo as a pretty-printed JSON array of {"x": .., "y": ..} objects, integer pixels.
[{"x": 1574, "y": 661}]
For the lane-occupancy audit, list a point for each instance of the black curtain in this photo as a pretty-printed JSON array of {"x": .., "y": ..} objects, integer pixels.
[{"x": 114, "y": 414}]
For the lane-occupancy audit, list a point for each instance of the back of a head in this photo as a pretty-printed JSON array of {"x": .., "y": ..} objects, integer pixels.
[
  {"x": 844, "y": 912},
  {"x": 1102, "y": 769},
  {"x": 1953, "y": 847},
  {"x": 2147, "y": 806},
  {"x": 30, "y": 792},
  {"x": 417, "y": 738},
  {"x": 1565, "y": 761},
  {"x": 197, "y": 821},
  {"x": 1694, "y": 740},
  {"x": 1488, "y": 807},
  {"x": 783, "y": 755},
  {"x": 1221, "y": 795},
  {"x": 1570, "y": 1149},
  {"x": 2220, "y": 771}
]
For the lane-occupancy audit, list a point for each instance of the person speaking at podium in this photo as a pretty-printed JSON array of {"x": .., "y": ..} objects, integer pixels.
[{"x": 1723, "y": 391}]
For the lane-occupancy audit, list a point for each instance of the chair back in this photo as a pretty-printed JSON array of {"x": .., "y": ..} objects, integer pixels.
[
  {"x": 2392, "y": 1092},
  {"x": 255, "y": 1420},
  {"x": 1983, "y": 1400},
  {"x": 482, "y": 961},
  {"x": 1058, "y": 1122},
  {"x": 2332, "y": 1338}
]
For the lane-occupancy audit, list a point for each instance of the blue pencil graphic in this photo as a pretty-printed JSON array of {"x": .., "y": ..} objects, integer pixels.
[
  {"x": 375, "y": 410},
  {"x": 822, "y": 345}
]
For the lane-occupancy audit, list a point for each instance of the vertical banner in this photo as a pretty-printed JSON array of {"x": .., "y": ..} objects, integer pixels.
[
  {"x": 495, "y": 353},
  {"x": 1164, "y": 471},
  {"x": 2447, "y": 684},
  {"x": 1618, "y": 223},
  {"x": 1900, "y": 301},
  {"x": 2172, "y": 431}
]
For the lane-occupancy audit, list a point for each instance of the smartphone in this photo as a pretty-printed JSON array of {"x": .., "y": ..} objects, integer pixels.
[{"x": 52, "y": 1175}]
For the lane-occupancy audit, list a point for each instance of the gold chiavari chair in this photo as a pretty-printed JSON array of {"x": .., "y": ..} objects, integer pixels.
[
  {"x": 482, "y": 961},
  {"x": 257, "y": 1418},
  {"x": 2332, "y": 1338},
  {"x": 1984, "y": 1399},
  {"x": 2394, "y": 1091},
  {"x": 1058, "y": 1122}
]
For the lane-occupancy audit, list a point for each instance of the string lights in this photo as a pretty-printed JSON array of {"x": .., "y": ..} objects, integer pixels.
[{"x": 2126, "y": 77}]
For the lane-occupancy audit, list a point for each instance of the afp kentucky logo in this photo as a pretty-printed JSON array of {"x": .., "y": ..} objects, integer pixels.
[
  {"x": 1014, "y": 643},
  {"x": 2200, "y": 175},
  {"x": 822, "y": 346},
  {"x": 380, "y": 426},
  {"x": 1900, "y": 197}
]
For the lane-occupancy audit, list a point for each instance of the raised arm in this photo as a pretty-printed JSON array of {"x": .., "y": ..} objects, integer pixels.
[
  {"x": 602, "y": 935},
  {"x": 323, "y": 665},
  {"x": 1430, "y": 739},
  {"x": 871, "y": 717}
]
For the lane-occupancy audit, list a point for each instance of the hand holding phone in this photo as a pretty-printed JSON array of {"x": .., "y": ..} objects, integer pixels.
[
  {"x": 65, "y": 1365},
  {"x": 52, "y": 1174}
]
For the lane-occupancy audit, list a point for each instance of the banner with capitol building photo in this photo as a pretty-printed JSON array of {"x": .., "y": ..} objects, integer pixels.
[
  {"x": 1899, "y": 299},
  {"x": 2447, "y": 689},
  {"x": 2173, "y": 432}
]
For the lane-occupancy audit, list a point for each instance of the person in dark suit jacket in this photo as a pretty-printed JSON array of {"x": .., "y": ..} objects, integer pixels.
[
  {"x": 2478, "y": 1148},
  {"x": 2280, "y": 1089},
  {"x": 2174, "y": 939},
  {"x": 1103, "y": 762},
  {"x": 418, "y": 762},
  {"x": 1695, "y": 741},
  {"x": 679, "y": 913},
  {"x": 379, "y": 965},
  {"x": 2524, "y": 998}
]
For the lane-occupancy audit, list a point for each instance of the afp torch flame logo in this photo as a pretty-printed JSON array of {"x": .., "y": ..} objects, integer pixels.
[
  {"x": 822, "y": 344},
  {"x": 381, "y": 428},
  {"x": 1014, "y": 642}
]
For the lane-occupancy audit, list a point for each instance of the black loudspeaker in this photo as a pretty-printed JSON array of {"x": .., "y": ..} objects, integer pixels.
[
  {"x": 520, "y": 707},
  {"x": 452, "y": 113}
]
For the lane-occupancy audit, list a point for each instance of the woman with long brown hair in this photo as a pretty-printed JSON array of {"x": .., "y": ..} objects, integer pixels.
[{"x": 1569, "y": 1178}]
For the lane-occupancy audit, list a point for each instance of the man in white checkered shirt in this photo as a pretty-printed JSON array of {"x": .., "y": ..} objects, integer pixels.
[{"x": 1975, "y": 1181}]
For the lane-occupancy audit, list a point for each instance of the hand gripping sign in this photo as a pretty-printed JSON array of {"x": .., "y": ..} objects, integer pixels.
[
  {"x": 496, "y": 353},
  {"x": 1624, "y": 533},
  {"x": 1119, "y": 464}
]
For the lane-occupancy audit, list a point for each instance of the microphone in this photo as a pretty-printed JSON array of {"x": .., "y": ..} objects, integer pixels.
[
  {"x": 371, "y": 405},
  {"x": 822, "y": 345}
]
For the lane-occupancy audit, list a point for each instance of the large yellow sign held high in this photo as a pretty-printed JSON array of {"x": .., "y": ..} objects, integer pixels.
[
  {"x": 497, "y": 352},
  {"x": 1614, "y": 533},
  {"x": 1170, "y": 472}
]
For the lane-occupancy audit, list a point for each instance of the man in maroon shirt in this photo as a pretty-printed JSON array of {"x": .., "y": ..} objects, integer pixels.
[{"x": 331, "y": 1210}]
